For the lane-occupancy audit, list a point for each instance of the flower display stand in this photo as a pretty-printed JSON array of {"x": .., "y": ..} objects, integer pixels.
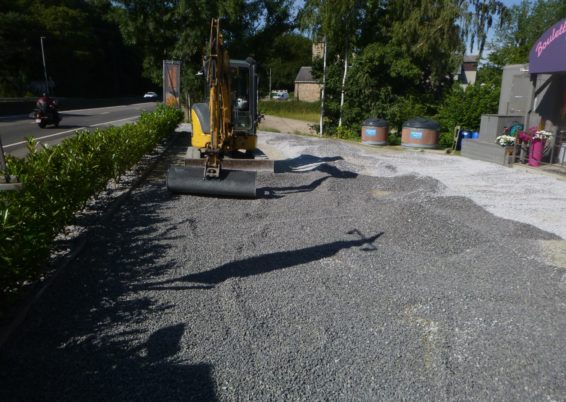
[
  {"x": 535, "y": 152},
  {"x": 509, "y": 155}
]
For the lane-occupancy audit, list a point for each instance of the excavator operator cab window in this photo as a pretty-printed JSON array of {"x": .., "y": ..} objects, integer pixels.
[{"x": 242, "y": 118}]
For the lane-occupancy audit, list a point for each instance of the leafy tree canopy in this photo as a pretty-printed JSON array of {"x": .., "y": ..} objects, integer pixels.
[
  {"x": 526, "y": 22},
  {"x": 116, "y": 47}
]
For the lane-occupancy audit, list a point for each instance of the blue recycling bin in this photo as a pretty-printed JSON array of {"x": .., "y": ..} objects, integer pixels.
[{"x": 461, "y": 135}]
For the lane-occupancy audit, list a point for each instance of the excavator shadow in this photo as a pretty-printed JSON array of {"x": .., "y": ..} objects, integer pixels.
[
  {"x": 305, "y": 164},
  {"x": 265, "y": 263}
]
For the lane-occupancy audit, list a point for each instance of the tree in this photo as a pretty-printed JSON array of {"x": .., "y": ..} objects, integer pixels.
[
  {"x": 477, "y": 18},
  {"x": 116, "y": 47},
  {"x": 403, "y": 62},
  {"x": 464, "y": 107},
  {"x": 269, "y": 38},
  {"x": 17, "y": 31},
  {"x": 405, "y": 53},
  {"x": 336, "y": 21},
  {"x": 160, "y": 31},
  {"x": 290, "y": 53},
  {"x": 83, "y": 46},
  {"x": 179, "y": 30},
  {"x": 526, "y": 23}
]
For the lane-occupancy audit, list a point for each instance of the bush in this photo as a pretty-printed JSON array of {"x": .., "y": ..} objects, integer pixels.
[
  {"x": 446, "y": 140},
  {"x": 465, "y": 107},
  {"x": 346, "y": 133},
  {"x": 58, "y": 181},
  {"x": 394, "y": 139}
]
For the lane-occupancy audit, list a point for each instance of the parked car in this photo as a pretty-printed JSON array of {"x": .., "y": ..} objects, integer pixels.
[
  {"x": 150, "y": 95},
  {"x": 280, "y": 95}
]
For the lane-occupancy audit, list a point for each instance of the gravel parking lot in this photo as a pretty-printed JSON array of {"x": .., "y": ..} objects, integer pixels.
[{"x": 357, "y": 274}]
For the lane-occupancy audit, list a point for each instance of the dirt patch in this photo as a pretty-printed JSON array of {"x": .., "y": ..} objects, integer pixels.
[
  {"x": 284, "y": 125},
  {"x": 554, "y": 252}
]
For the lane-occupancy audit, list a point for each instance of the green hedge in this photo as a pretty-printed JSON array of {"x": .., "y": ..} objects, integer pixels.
[{"x": 58, "y": 181}]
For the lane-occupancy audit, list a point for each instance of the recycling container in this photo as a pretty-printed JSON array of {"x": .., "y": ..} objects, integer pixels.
[
  {"x": 420, "y": 133},
  {"x": 463, "y": 134},
  {"x": 374, "y": 131},
  {"x": 562, "y": 155}
]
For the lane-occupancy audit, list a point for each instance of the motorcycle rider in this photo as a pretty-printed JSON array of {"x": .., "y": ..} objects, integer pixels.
[{"x": 47, "y": 105}]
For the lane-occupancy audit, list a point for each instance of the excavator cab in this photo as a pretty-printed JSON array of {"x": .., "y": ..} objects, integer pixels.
[
  {"x": 244, "y": 119},
  {"x": 244, "y": 109}
]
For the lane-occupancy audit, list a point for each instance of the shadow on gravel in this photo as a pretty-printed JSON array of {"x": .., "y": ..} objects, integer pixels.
[
  {"x": 267, "y": 263},
  {"x": 93, "y": 338},
  {"x": 304, "y": 164},
  {"x": 114, "y": 371}
]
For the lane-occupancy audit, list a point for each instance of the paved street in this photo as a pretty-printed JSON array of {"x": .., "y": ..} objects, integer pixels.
[
  {"x": 15, "y": 129},
  {"x": 357, "y": 274}
]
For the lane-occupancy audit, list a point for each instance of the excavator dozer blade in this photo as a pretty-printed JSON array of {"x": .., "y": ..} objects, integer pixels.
[{"x": 232, "y": 183}]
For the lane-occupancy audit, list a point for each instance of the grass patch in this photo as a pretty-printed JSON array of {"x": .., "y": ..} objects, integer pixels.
[
  {"x": 291, "y": 109},
  {"x": 267, "y": 128}
]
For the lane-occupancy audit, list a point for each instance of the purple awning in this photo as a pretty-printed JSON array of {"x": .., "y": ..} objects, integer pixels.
[{"x": 548, "y": 53}]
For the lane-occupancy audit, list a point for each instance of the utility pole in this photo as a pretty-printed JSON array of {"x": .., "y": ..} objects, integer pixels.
[
  {"x": 44, "y": 66},
  {"x": 343, "y": 86},
  {"x": 269, "y": 83},
  {"x": 323, "y": 85}
]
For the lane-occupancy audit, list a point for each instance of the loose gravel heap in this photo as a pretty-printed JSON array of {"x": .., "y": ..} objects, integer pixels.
[{"x": 355, "y": 275}]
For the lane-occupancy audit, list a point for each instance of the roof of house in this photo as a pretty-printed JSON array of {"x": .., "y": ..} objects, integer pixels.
[
  {"x": 471, "y": 58},
  {"x": 468, "y": 60},
  {"x": 305, "y": 75}
]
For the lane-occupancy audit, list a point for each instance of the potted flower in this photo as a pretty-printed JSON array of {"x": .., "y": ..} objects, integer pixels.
[
  {"x": 542, "y": 135},
  {"x": 536, "y": 139},
  {"x": 505, "y": 140}
]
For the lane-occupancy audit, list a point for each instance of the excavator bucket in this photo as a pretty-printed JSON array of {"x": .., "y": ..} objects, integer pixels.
[{"x": 232, "y": 183}]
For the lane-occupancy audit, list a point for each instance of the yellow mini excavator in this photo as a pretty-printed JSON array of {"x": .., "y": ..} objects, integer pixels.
[{"x": 220, "y": 160}]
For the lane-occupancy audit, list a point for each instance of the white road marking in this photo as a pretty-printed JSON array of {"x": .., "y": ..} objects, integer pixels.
[
  {"x": 70, "y": 131},
  {"x": 106, "y": 107}
]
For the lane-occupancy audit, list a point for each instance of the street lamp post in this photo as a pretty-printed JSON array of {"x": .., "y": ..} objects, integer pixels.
[
  {"x": 44, "y": 66},
  {"x": 322, "y": 89}
]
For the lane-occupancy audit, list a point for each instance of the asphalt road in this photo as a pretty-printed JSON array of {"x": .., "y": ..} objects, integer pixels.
[
  {"x": 346, "y": 279},
  {"x": 14, "y": 129}
]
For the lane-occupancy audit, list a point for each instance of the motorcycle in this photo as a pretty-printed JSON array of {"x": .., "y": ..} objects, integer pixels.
[{"x": 45, "y": 117}]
